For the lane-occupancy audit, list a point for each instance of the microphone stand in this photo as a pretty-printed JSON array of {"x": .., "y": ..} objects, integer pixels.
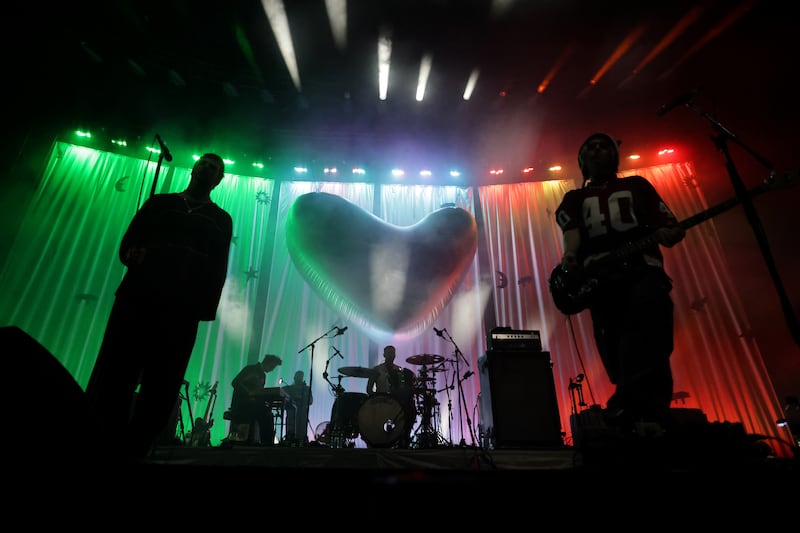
[
  {"x": 334, "y": 433},
  {"x": 311, "y": 372},
  {"x": 449, "y": 441},
  {"x": 721, "y": 142},
  {"x": 158, "y": 169},
  {"x": 188, "y": 404},
  {"x": 461, "y": 401},
  {"x": 448, "y": 388}
]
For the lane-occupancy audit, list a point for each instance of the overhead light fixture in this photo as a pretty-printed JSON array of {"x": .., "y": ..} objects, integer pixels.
[
  {"x": 279, "y": 22},
  {"x": 384, "y": 62},
  {"x": 424, "y": 73}
]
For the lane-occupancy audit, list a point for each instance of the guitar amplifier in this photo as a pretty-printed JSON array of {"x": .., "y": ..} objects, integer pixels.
[
  {"x": 518, "y": 403},
  {"x": 507, "y": 339}
]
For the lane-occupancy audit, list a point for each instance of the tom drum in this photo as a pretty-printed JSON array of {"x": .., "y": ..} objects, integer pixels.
[{"x": 344, "y": 414}]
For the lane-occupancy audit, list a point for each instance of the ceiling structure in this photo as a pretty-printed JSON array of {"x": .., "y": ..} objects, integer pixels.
[{"x": 210, "y": 75}]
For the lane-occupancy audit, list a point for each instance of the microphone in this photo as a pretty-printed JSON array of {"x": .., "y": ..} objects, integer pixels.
[
  {"x": 680, "y": 100},
  {"x": 340, "y": 331},
  {"x": 468, "y": 374},
  {"x": 438, "y": 331},
  {"x": 164, "y": 150}
]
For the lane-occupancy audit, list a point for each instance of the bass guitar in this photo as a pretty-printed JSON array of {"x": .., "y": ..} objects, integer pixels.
[{"x": 572, "y": 291}]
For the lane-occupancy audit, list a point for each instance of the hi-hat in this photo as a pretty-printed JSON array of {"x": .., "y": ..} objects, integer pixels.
[
  {"x": 356, "y": 371},
  {"x": 425, "y": 359}
]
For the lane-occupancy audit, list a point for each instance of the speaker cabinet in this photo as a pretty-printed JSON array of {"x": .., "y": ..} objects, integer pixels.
[
  {"x": 522, "y": 399},
  {"x": 54, "y": 422}
]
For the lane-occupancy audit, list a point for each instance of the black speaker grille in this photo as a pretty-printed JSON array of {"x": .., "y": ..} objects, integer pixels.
[{"x": 524, "y": 405}]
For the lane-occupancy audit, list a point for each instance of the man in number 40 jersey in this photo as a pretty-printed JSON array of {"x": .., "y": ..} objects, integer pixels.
[{"x": 630, "y": 306}]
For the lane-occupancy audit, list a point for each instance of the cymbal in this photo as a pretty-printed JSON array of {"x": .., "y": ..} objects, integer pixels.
[
  {"x": 356, "y": 371},
  {"x": 424, "y": 379},
  {"x": 425, "y": 359}
]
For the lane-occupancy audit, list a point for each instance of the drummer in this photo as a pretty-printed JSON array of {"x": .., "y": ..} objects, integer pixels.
[{"x": 398, "y": 382}]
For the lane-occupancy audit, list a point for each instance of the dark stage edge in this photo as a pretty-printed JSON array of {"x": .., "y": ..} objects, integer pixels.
[
  {"x": 361, "y": 482},
  {"x": 694, "y": 462},
  {"x": 457, "y": 463},
  {"x": 706, "y": 447}
]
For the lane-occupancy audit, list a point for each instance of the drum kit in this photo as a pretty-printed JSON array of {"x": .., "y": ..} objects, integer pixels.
[{"x": 380, "y": 419}]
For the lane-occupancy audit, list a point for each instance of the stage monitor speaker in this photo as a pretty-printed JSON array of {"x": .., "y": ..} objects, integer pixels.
[
  {"x": 523, "y": 400},
  {"x": 54, "y": 422}
]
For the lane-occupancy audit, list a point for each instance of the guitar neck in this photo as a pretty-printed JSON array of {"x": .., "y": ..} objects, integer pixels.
[
  {"x": 644, "y": 243},
  {"x": 212, "y": 397}
]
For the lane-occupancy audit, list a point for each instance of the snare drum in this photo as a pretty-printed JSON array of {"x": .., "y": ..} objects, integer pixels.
[{"x": 381, "y": 420}]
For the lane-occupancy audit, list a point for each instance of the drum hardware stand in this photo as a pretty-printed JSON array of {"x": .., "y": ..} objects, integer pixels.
[
  {"x": 462, "y": 408},
  {"x": 427, "y": 435}
]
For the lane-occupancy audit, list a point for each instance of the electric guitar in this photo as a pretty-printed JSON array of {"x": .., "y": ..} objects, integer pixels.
[
  {"x": 201, "y": 433},
  {"x": 572, "y": 291}
]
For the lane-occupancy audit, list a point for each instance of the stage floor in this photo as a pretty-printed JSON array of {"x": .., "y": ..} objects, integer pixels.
[{"x": 360, "y": 483}]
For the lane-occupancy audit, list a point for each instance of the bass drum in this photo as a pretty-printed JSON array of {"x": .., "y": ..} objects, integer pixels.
[{"x": 381, "y": 421}]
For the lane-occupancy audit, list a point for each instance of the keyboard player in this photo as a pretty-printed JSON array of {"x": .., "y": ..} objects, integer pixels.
[{"x": 250, "y": 403}]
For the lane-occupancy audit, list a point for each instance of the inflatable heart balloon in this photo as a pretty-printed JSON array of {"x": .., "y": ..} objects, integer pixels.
[{"x": 388, "y": 280}]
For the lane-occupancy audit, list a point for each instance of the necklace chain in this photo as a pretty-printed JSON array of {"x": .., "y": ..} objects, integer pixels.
[{"x": 190, "y": 207}]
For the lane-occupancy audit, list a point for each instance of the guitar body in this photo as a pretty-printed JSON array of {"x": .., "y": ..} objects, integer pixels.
[
  {"x": 201, "y": 434},
  {"x": 573, "y": 291},
  {"x": 570, "y": 291}
]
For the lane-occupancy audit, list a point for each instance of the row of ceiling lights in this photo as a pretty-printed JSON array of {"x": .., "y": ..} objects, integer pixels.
[{"x": 357, "y": 171}]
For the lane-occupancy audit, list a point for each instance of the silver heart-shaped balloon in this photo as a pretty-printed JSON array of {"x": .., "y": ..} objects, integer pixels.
[{"x": 386, "y": 279}]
